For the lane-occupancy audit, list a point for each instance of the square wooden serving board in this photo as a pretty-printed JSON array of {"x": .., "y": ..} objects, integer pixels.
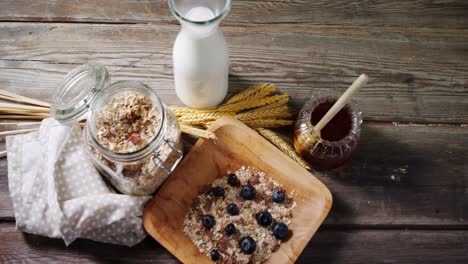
[{"x": 237, "y": 145}]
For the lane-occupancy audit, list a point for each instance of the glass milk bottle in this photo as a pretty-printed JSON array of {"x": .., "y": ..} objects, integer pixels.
[{"x": 200, "y": 55}]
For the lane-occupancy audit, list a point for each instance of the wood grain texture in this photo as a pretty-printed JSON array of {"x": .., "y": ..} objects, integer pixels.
[
  {"x": 327, "y": 246},
  {"x": 237, "y": 146},
  {"x": 428, "y": 187},
  {"x": 411, "y": 13},
  {"x": 404, "y": 176},
  {"x": 416, "y": 75}
]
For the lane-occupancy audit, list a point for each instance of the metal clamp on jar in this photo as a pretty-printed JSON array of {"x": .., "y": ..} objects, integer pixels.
[{"x": 131, "y": 136}]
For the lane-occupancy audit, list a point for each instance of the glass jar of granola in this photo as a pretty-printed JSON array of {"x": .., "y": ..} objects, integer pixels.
[{"x": 131, "y": 136}]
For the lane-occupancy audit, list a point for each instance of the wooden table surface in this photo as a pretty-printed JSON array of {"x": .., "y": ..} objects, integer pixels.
[{"x": 404, "y": 196}]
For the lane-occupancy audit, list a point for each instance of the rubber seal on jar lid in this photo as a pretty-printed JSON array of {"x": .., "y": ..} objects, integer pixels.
[{"x": 76, "y": 92}]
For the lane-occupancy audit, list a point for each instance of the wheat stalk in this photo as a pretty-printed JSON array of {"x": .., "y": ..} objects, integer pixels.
[
  {"x": 279, "y": 112},
  {"x": 19, "y": 124},
  {"x": 8, "y": 106},
  {"x": 265, "y": 110},
  {"x": 199, "y": 118},
  {"x": 22, "y": 112},
  {"x": 282, "y": 145},
  {"x": 197, "y": 132},
  {"x": 271, "y": 122},
  {"x": 24, "y": 117},
  {"x": 19, "y": 131},
  {"x": 180, "y": 111},
  {"x": 281, "y": 102},
  {"x": 254, "y": 103},
  {"x": 255, "y": 92},
  {"x": 21, "y": 99}
]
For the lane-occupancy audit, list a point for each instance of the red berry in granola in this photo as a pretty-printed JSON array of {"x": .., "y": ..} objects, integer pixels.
[{"x": 135, "y": 138}]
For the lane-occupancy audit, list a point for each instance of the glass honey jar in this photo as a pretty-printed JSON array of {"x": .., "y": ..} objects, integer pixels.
[{"x": 337, "y": 140}]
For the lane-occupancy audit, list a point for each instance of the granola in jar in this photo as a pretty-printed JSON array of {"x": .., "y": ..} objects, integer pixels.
[
  {"x": 242, "y": 218},
  {"x": 127, "y": 123},
  {"x": 131, "y": 136},
  {"x": 134, "y": 140}
]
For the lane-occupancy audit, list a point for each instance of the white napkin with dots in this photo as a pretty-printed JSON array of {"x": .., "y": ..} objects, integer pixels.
[{"x": 57, "y": 192}]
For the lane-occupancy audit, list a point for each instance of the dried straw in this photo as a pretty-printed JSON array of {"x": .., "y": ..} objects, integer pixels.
[
  {"x": 276, "y": 140},
  {"x": 200, "y": 118},
  {"x": 180, "y": 111},
  {"x": 19, "y": 124},
  {"x": 281, "y": 102},
  {"x": 279, "y": 112},
  {"x": 8, "y": 106},
  {"x": 16, "y": 132},
  {"x": 24, "y": 117},
  {"x": 21, "y": 99},
  {"x": 264, "y": 111},
  {"x": 254, "y": 103},
  {"x": 197, "y": 132},
  {"x": 268, "y": 123},
  {"x": 255, "y": 92}
]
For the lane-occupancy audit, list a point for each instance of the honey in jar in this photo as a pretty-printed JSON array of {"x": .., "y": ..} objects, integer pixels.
[{"x": 337, "y": 140}]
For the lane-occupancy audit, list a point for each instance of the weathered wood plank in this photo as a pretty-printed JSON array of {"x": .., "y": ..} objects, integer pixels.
[
  {"x": 416, "y": 75},
  {"x": 412, "y": 13},
  {"x": 327, "y": 246},
  {"x": 6, "y": 206},
  {"x": 402, "y": 175},
  {"x": 386, "y": 246}
]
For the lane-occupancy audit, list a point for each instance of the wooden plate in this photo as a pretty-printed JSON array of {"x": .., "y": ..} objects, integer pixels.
[{"x": 236, "y": 145}]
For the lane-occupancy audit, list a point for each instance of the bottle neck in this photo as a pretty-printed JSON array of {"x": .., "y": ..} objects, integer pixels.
[{"x": 199, "y": 31}]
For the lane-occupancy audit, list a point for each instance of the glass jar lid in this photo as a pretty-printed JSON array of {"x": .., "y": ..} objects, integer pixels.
[{"x": 77, "y": 91}]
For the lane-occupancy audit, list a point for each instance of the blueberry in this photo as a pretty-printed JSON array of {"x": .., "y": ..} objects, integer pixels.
[
  {"x": 247, "y": 245},
  {"x": 208, "y": 221},
  {"x": 230, "y": 229},
  {"x": 217, "y": 191},
  {"x": 233, "y": 209},
  {"x": 214, "y": 254},
  {"x": 232, "y": 179},
  {"x": 248, "y": 192},
  {"x": 278, "y": 196},
  {"x": 264, "y": 218},
  {"x": 280, "y": 231}
]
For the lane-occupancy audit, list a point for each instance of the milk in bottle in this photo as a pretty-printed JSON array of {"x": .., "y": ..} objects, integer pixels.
[{"x": 200, "y": 54}]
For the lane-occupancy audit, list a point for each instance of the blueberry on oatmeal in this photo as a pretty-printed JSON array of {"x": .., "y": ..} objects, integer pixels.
[
  {"x": 230, "y": 229},
  {"x": 217, "y": 191},
  {"x": 208, "y": 221},
  {"x": 240, "y": 225},
  {"x": 233, "y": 209},
  {"x": 232, "y": 180},
  {"x": 264, "y": 218},
  {"x": 214, "y": 255},
  {"x": 247, "y": 245},
  {"x": 280, "y": 231},
  {"x": 278, "y": 196},
  {"x": 248, "y": 192}
]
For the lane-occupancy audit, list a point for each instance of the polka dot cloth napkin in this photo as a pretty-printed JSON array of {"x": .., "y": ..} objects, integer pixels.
[{"x": 57, "y": 192}]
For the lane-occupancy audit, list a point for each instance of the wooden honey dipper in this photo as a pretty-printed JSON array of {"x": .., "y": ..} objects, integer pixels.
[{"x": 339, "y": 104}]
